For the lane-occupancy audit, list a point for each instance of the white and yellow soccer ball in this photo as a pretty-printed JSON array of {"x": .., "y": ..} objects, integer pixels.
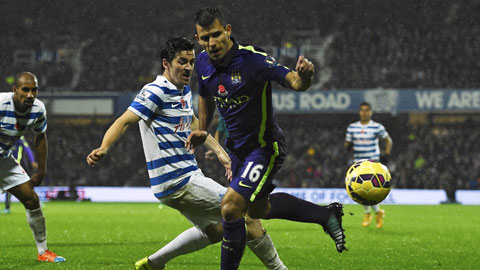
[{"x": 368, "y": 182}]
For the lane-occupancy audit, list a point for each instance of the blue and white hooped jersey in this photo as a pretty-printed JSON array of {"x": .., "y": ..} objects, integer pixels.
[
  {"x": 166, "y": 115},
  {"x": 365, "y": 139},
  {"x": 14, "y": 124}
]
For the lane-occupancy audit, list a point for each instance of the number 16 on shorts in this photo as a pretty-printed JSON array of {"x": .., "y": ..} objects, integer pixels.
[{"x": 252, "y": 171}]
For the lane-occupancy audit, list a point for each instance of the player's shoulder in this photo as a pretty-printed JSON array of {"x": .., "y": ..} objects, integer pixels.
[
  {"x": 375, "y": 124},
  {"x": 5, "y": 98},
  {"x": 160, "y": 86},
  {"x": 354, "y": 124},
  {"x": 252, "y": 53},
  {"x": 39, "y": 106},
  {"x": 202, "y": 60}
]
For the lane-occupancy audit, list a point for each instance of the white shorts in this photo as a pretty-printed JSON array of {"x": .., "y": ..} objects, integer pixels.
[
  {"x": 199, "y": 200},
  {"x": 11, "y": 174}
]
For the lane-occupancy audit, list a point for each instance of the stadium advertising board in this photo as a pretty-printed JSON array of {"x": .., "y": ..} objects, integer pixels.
[
  {"x": 382, "y": 100},
  {"x": 315, "y": 195}
]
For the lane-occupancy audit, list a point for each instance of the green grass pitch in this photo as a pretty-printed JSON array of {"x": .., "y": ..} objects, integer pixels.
[{"x": 115, "y": 235}]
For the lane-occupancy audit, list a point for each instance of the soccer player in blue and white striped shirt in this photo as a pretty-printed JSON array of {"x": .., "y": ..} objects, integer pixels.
[
  {"x": 363, "y": 136},
  {"x": 164, "y": 112},
  {"x": 21, "y": 111}
]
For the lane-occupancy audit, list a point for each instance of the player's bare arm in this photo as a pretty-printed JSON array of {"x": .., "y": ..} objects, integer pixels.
[
  {"x": 41, "y": 152},
  {"x": 348, "y": 145},
  {"x": 388, "y": 145},
  {"x": 213, "y": 145},
  {"x": 114, "y": 132},
  {"x": 300, "y": 79},
  {"x": 206, "y": 109}
]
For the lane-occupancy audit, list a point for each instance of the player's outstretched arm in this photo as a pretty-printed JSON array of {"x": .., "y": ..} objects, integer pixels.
[
  {"x": 213, "y": 145},
  {"x": 41, "y": 152},
  {"x": 114, "y": 132},
  {"x": 206, "y": 108},
  {"x": 301, "y": 78}
]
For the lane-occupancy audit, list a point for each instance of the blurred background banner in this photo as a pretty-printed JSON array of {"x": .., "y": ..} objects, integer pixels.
[
  {"x": 287, "y": 102},
  {"x": 315, "y": 195}
]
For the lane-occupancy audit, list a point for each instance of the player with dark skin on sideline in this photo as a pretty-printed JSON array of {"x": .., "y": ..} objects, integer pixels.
[
  {"x": 25, "y": 91},
  {"x": 256, "y": 143}
]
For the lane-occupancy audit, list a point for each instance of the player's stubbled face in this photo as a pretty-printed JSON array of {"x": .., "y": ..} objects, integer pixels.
[
  {"x": 181, "y": 68},
  {"x": 25, "y": 93},
  {"x": 214, "y": 39},
  {"x": 365, "y": 113}
]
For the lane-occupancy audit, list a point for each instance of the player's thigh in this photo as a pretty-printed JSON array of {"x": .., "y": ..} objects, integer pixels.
[
  {"x": 200, "y": 202},
  {"x": 12, "y": 175},
  {"x": 254, "y": 173}
]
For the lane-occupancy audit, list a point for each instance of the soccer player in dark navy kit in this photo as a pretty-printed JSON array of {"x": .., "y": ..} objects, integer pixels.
[{"x": 237, "y": 78}]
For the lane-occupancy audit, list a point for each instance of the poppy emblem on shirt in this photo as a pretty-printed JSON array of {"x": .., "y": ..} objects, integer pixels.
[
  {"x": 183, "y": 103},
  {"x": 222, "y": 91}
]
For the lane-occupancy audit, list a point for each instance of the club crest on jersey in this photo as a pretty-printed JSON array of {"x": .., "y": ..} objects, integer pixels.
[
  {"x": 222, "y": 91},
  {"x": 236, "y": 77}
]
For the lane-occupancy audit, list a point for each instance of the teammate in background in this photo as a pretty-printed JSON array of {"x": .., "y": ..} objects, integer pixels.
[
  {"x": 17, "y": 153},
  {"x": 363, "y": 137},
  {"x": 19, "y": 112},
  {"x": 237, "y": 78},
  {"x": 165, "y": 115}
]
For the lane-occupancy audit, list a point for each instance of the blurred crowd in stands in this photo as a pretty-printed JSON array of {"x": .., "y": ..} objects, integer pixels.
[
  {"x": 113, "y": 45},
  {"x": 417, "y": 44},
  {"x": 427, "y": 157}
]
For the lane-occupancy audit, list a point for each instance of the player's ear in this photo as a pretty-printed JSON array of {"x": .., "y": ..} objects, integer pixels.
[
  {"x": 228, "y": 30},
  {"x": 197, "y": 38},
  {"x": 165, "y": 63}
]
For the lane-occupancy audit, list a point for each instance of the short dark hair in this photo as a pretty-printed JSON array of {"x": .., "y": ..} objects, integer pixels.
[
  {"x": 207, "y": 16},
  {"x": 173, "y": 46},
  {"x": 25, "y": 74},
  {"x": 365, "y": 104}
]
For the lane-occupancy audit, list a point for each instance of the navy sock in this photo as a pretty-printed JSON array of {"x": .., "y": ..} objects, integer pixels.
[
  {"x": 233, "y": 244},
  {"x": 286, "y": 206}
]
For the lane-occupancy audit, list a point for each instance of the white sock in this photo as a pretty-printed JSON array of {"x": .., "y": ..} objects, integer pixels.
[
  {"x": 265, "y": 250},
  {"x": 376, "y": 208},
  {"x": 36, "y": 221},
  {"x": 188, "y": 241},
  {"x": 367, "y": 209}
]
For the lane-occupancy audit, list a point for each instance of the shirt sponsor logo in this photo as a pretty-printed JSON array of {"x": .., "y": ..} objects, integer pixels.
[{"x": 231, "y": 102}]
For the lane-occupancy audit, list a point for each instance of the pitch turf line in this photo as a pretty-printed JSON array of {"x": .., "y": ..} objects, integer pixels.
[{"x": 114, "y": 236}]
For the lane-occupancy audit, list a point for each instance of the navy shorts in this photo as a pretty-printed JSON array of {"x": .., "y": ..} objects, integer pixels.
[{"x": 253, "y": 172}]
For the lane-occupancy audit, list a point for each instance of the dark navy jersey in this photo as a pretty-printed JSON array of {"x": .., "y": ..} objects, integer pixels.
[{"x": 242, "y": 89}]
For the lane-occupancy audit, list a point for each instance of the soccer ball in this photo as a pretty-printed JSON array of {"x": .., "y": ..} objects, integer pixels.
[{"x": 368, "y": 182}]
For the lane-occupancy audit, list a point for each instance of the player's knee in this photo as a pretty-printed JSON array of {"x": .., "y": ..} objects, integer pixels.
[
  {"x": 31, "y": 201},
  {"x": 231, "y": 211},
  {"x": 214, "y": 233}
]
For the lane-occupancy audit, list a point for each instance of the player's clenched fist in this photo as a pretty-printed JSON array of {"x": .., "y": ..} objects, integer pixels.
[
  {"x": 304, "y": 67},
  {"x": 95, "y": 156}
]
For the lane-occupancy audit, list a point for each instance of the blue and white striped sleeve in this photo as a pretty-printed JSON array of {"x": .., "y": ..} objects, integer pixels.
[
  {"x": 40, "y": 125},
  {"x": 146, "y": 103},
  {"x": 348, "y": 137},
  {"x": 382, "y": 132}
]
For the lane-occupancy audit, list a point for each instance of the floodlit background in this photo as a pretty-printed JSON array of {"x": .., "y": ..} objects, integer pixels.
[{"x": 417, "y": 62}]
